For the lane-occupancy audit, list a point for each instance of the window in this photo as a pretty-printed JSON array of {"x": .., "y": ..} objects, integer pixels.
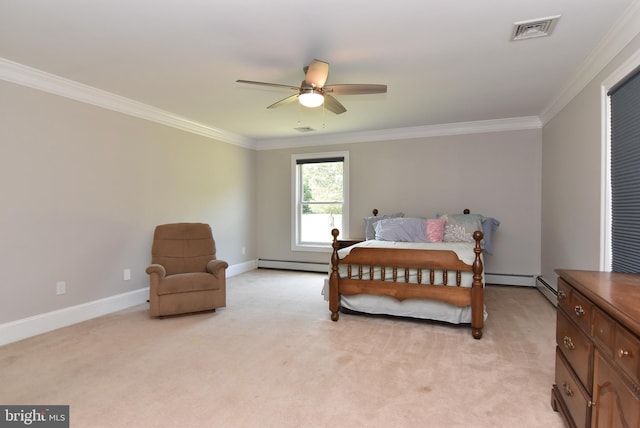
[
  {"x": 623, "y": 200},
  {"x": 320, "y": 189}
]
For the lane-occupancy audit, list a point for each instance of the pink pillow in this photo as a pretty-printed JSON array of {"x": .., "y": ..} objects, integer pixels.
[{"x": 435, "y": 229}]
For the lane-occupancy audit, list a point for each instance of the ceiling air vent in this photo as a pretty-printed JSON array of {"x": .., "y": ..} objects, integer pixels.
[
  {"x": 304, "y": 129},
  {"x": 534, "y": 28}
]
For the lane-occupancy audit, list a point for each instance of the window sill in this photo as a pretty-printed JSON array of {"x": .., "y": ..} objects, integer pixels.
[{"x": 317, "y": 248}]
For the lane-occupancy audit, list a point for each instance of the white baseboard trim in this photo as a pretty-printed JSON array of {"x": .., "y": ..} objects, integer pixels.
[
  {"x": 38, "y": 324},
  {"x": 521, "y": 280},
  {"x": 239, "y": 268},
  {"x": 49, "y": 321},
  {"x": 289, "y": 265}
]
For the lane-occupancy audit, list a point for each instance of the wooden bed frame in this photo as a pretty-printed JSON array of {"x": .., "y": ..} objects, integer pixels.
[{"x": 362, "y": 261}]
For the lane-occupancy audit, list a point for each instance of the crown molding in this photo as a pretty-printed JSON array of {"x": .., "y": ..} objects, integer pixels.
[
  {"x": 33, "y": 78},
  {"x": 26, "y": 76},
  {"x": 460, "y": 128},
  {"x": 625, "y": 29}
]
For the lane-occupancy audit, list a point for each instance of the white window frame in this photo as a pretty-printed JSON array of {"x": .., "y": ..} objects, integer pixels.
[
  {"x": 605, "y": 227},
  {"x": 296, "y": 194}
]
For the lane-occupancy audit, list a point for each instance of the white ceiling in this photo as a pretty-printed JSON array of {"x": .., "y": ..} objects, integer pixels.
[{"x": 444, "y": 62}]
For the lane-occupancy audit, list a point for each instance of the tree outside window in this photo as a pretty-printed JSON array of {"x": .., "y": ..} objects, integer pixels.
[{"x": 320, "y": 201}]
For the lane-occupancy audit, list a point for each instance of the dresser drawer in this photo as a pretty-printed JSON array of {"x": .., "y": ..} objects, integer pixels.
[
  {"x": 580, "y": 310},
  {"x": 576, "y": 347},
  {"x": 627, "y": 352},
  {"x": 573, "y": 394},
  {"x": 564, "y": 294},
  {"x": 603, "y": 331}
]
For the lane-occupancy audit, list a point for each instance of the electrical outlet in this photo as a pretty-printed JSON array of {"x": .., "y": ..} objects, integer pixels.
[
  {"x": 244, "y": 250},
  {"x": 126, "y": 274},
  {"x": 61, "y": 287}
]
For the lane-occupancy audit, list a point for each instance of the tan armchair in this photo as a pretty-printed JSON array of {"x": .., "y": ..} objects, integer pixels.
[{"x": 185, "y": 276}]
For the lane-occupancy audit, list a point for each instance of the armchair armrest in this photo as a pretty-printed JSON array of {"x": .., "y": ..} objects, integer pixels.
[
  {"x": 157, "y": 269},
  {"x": 216, "y": 267}
]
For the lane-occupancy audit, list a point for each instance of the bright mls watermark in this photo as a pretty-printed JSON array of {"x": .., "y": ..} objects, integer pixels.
[{"x": 34, "y": 416}]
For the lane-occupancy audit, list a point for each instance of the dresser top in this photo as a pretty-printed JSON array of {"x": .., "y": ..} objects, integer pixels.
[{"x": 616, "y": 293}]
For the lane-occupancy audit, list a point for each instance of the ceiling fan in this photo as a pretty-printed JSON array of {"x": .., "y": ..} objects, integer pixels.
[{"x": 313, "y": 92}]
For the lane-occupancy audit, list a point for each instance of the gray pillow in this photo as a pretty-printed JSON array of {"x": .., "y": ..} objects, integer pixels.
[
  {"x": 409, "y": 229},
  {"x": 370, "y": 224},
  {"x": 460, "y": 227}
]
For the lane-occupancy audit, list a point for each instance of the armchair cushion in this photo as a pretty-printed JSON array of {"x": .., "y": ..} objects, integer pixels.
[{"x": 186, "y": 283}]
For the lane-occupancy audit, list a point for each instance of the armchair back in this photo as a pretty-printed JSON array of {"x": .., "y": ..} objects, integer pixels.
[{"x": 183, "y": 247}]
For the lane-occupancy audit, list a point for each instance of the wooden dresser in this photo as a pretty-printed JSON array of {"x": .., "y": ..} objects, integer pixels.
[{"x": 597, "y": 381}]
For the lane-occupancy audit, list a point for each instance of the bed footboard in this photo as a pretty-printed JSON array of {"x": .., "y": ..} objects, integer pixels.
[{"x": 395, "y": 265}]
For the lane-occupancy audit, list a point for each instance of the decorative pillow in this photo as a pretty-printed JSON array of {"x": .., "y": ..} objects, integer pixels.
[
  {"x": 460, "y": 227},
  {"x": 489, "y": 225},
  {"x": 410, "y": 229},
  {"x": 370, "y": 223},
  {"x": 435, "y": 229}
]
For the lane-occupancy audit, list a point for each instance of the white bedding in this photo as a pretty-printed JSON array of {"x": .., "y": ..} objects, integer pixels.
[{"x": 415, "y": 308}]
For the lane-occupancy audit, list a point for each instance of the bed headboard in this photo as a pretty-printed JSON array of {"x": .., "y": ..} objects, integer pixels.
[
  {"x": 375, "y": 212},
  {"x": 462, "y": 227}
]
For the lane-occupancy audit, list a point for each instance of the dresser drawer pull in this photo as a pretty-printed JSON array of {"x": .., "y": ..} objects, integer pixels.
[
  {"x": 579, "y": 310},
  {"x": 568, "y": 343},
  {"x": 622, "y": 353},
  {"x": 562, "y": 295},
  {"x": 567, "y": 390}
]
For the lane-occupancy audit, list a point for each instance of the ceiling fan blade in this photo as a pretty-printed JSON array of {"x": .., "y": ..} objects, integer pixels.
[
  {"x": 275, "y": 85},
  {"x": 284, "y": 101},
  {"x": 316, "y": 74},
  {"x": 333, "y": 105},
  {"x": 355, "y": 89}
]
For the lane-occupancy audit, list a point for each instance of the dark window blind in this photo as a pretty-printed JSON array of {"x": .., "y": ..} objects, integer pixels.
[
  {"x": 319, "y": 160},
  {"x": 625, "y": 175}
]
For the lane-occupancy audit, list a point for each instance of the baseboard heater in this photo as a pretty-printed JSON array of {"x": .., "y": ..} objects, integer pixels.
[
  {"x": 547, "y": 290},
  {"x": 489, "y": 278},
  {"x": 291, "y": 265}
]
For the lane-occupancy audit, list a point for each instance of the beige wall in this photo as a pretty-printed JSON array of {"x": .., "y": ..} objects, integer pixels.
[
  {"x": 572, "y": 179},
  {"x": 83, "y": 188},
  {"x": 496, "y": 174}
]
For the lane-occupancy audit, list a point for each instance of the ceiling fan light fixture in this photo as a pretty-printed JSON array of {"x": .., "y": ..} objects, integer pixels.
[
  {"x": 311, "y": 98},
  {"x": 312, "y": 90}
]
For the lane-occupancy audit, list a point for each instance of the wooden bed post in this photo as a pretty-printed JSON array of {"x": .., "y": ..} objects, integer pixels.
[
  {"x": 477, "y": 290},
  {"x": 334, "y": 294}
]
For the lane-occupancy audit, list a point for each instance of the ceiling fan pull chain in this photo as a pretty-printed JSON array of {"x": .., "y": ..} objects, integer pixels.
[{"x": 323, "y": 109}]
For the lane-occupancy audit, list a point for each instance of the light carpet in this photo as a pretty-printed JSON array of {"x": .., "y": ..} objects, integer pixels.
[{"x": 273, "y": 358}]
